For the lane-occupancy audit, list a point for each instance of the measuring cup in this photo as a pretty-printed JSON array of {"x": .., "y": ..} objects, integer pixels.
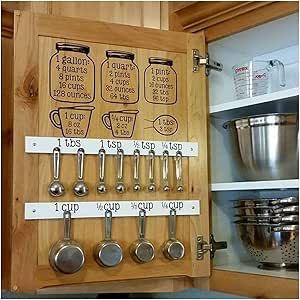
[
  {"x": 66, "y": 256},
  {"x": 108, "y": 253},
  {"x": 257, "y": 77},
  {"x": 173, "y": 249},
  {"x": 142, "y": 250}
]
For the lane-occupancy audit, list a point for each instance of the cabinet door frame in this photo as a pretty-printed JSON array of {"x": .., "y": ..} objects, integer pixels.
[{"x": 28, "y": 27}]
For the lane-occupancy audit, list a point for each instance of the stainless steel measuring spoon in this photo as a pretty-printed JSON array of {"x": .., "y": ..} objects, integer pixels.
[
  {"x": 142, "y": 250},
  {"x": 178, "y": 171},
  {"x": 173, "y": 249},
  {"x": 80, "y": 188},
  {"x": 101, "y": 188},
  {"x": 136, "y": 170},
  {"x": 56, "y": 188},
  {"x": 151, "y": 184},
  {"x": 120, "y": 187},
  {"x": 165, "y": 171},
  {"x": 108, "y": 253},
  {"x": 66, "y": 256}
]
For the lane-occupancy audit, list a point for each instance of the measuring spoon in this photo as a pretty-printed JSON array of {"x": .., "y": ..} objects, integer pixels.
[
  {"x": 173, "y": 249},
  {"x": 165, "y": 171},
  {"x": 178, "y": 171},
  {"x": 142, "y": 250},
  {"x": 136, "y": 167},
  {"x": 66, "y": 256},
  {"x": 56, "y": 188},
  {"x": 151, "y": 185},
  {"x": 101, "y": 188},
  {"x": 80, "y": 188},
  {"x": 108, "y": 253},
  {"x": 120, "y": 187}
]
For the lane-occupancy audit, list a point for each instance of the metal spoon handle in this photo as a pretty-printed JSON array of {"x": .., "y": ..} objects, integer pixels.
[
  {"x": 151, "y": 166},
  {"x": 67, "y": 225},
  {"x": 136, "y": 159},
  {"x": 165, "y": 170},
  {"x": 120, "y": 161},
  {"x": 178, "y": 171},
  {"x": 142, "y": 223},
  {"x": 108, "y": 224},
  {"x": 80, "y": 163},
  {"x": 172, "y": 224},
  {"x": 56, "y": 163},
  {"x": 101, "y": 165}
]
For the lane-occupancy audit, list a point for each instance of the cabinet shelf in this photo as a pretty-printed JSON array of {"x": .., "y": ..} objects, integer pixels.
[
  {"x": 255, "y": 185},
  {"x": 251, "y": 268},
  {"x": 288, "y": 97}
]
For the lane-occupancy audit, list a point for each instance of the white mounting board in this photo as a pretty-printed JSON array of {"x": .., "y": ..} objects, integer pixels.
[
  {"x": 38, "y": 144},
  {"x": 96, "y": 209}
]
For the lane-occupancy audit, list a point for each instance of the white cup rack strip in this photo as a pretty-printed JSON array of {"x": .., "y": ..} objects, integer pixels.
[
  {"x": 96, "y": 209},
  {"x": 39, "y": 144}
]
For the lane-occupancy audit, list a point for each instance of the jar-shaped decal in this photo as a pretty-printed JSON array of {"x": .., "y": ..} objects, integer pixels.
[
  {"x": 119, "y": 78},
  {"x": 72, "y": 74},
  {"x": 160, "y": 81}
]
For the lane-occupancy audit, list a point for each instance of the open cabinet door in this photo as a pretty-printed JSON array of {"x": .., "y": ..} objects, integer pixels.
[{"x": 76, "y": 78}]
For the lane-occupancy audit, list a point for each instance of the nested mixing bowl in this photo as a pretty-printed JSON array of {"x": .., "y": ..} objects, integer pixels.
[{"x": 267, "y": 145}]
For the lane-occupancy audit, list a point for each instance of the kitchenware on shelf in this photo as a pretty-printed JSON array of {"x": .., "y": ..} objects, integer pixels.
[
  {"x": 108, "y": 253},
  {"x": 266, "y": 202},
  {"x": 56, "y": 188},
  {"x": 266, "y": 146},
  {"x": 101, "y": 188},
  {"x": 258, "y": 77},
  {"x": 120, "y": 187},
  {"x": 151, "y": 183},
  {"x": 289, "y": 219},
  {"x": 66, "y": 256},
  {"x": 136, "y": 170},
  {"x": 173, "y": 249},
  {"x": 165, "y": 171},
  {"x": 274, "y": 246},
  {"x": 267, "y": 210},
  {"x": 142, "y": 250},
  {"x": 80, "y": 188},
  {"x": 178, "y": 171}
]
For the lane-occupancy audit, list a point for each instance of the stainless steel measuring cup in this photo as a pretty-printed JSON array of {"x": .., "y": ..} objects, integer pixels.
[
  {"x": 120, "y": 187},
  {"x": 80, "y": 188},
  {"x": 173, "y": 249},
  {"x": 66, "y": 256},
  {"x": 108, "y": 253},
  {"x": 101, "y": 188},
  {"x": 56, "y": 188},
  {"x": 142, "y": 250}
]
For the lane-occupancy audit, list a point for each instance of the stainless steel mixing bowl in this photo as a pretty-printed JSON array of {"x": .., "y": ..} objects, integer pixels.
[
  {"x": 267, "y": 145},
  {"x": 266, "y": 202},
  {"x": 273, "y": 246}
]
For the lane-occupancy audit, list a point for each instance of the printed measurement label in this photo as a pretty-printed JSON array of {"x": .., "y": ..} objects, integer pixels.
[
  {"x": 96, "y": 209},
  {"x": 72, "y": 74},
  {"x": 37, "y": 144}
]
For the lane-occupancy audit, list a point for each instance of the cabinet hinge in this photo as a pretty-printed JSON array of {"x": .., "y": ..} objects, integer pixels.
[
  {"x": 203, "y": 247},
  {"x": 206, "y": 61}
]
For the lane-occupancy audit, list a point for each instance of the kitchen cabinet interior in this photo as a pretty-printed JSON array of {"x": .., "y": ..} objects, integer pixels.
[
  {"x": 263, "y": 42},
  {"x": 35, "y": 39}
]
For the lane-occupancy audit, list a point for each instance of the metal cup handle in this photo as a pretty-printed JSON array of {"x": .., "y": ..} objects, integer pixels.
[
  {"x": 67, "y": 225},
  {"x": 172, "y": 224},
  {"x": 108, "y": 225},
  {"x": 142, "y": 223}
]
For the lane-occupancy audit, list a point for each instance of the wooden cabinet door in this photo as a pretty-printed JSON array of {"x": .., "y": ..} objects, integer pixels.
[{"x": 43, "y": 107}]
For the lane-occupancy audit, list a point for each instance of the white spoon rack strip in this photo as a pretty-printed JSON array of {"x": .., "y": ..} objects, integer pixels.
[
  {"x": 38, "y": 144},
  {"x": 96, "y": 209}
]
